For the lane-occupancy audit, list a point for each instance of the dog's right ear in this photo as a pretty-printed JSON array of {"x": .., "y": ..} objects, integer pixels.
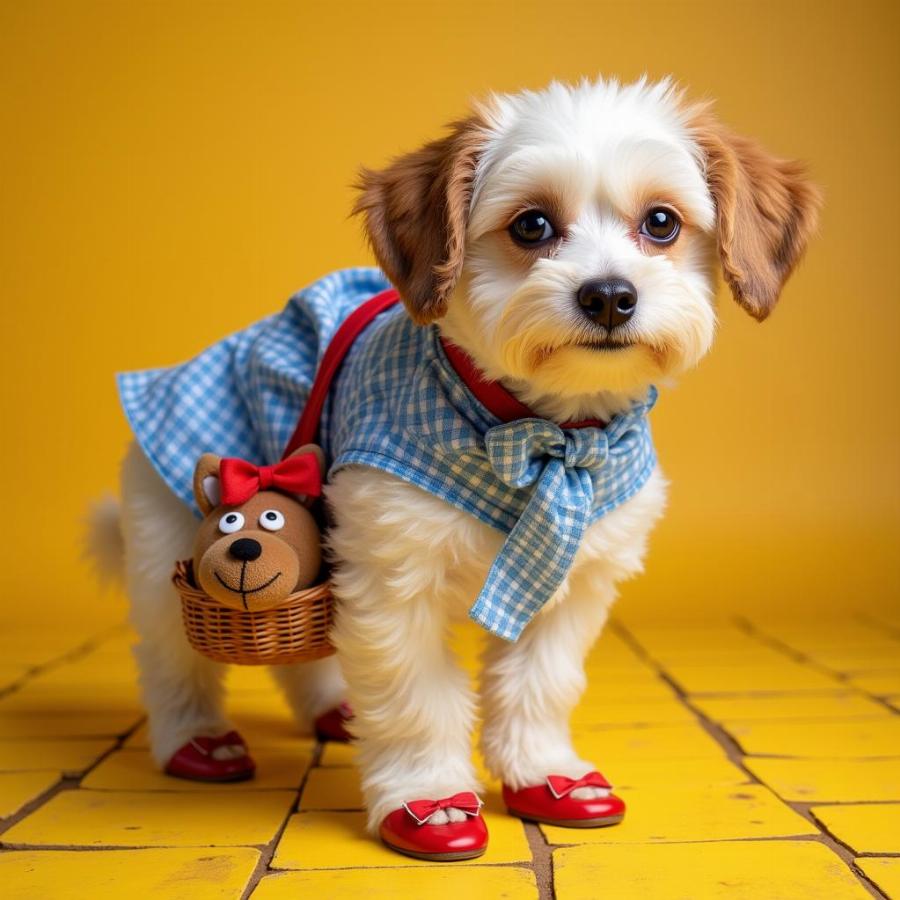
[
  {"x": 207, "y": 489},
  {"x": 416, "y": 211}
]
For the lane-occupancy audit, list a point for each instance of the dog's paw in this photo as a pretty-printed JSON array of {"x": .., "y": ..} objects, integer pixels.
[
  {"x": 590, "y": 793},
  {"x": 443, "y": 816},
  {"x": 228, "y": 751}
]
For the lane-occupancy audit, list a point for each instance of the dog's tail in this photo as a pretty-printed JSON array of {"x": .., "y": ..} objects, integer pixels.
[{"x": 104, "y": 547}]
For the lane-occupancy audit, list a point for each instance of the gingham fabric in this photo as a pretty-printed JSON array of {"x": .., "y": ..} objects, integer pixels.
[{"x": 398, "y": 405}]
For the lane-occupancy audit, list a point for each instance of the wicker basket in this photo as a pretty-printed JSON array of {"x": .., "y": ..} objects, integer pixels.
[{"x": 295, "y": 631}]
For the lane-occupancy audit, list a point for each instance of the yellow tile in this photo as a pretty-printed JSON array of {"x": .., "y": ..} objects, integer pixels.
[
  {"x": 19, "y": 788},
  {"x": 652, "y": 773},
  {"x": 884, "y": 872},
  {"x": 619, "y": 745},
  {"x": 664, "y": 639},
  {"x": 600, "y": 711},
  {"x": 881, "y": 684},
  {"x": 724, "y": 679},
  {"x": 57, "y": 710},
  {"x": 663, "y": 814},
  {"x": 130, "y": 819},
  {"x": 263, "y": 716},
  {"x": 870, "y": 828},
  {"x": 10, "y": 673},
  {"x": 855, "y": 659},
  {"x": 436, "y": 883},
  {"x": 338, "y": 840},
  {"x": 332, "y": 789},
  {"x": 855, "y": 738},
  {"x": 140, "y": 740},
  {"x": 737, "y": 870},
  {"x": 816, "y": 780},
  {"x": 634, "y": 689},
  {"x": 161, "y": 874},
  {"x": 834, "y": 634},
  {"x": 842, "y": 705},
  {"x": 71, "y": 757},
  {"x": 338, "y": 754},
  {"x": 134, "y": 770}
]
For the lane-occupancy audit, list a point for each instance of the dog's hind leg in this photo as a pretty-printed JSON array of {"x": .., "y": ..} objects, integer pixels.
[
  {"x": 182, "y": 690},
  {"x": 311, "y": 688}
]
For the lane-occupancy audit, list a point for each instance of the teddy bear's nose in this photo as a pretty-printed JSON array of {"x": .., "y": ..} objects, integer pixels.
[{"x": 245, "y": 549}]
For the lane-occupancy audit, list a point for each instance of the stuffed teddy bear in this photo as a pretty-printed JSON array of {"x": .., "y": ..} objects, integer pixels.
[{"x": 258, "y": 542}]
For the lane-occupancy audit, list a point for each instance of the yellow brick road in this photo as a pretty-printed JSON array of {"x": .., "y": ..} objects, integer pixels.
[{"x": 759, "y": 759}]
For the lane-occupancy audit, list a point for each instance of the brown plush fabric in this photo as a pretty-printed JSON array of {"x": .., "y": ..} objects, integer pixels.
[{"x": 269, "y": 565}]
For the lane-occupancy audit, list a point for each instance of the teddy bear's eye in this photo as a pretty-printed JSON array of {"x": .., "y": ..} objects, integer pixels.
[
  {"x": 272, "y": 520},
  {"x": 231, "y": 522}
]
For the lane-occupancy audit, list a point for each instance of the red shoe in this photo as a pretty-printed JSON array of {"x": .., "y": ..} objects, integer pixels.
[
  {"x": 330, "y": 725},
  {"x": 196, "y": 762},
  {"x": 552, "y": 804},
  {"x": 408, "y": 831}
]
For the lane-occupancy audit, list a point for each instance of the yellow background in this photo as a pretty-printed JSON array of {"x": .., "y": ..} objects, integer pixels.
[{"x": 173, "y": 171}]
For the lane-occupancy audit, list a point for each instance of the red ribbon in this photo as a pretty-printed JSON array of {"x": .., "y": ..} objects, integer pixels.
[
  {"x": 561, "y": 786},
  {"x": 241, "y": 480},
  {"x": 423, "y": 810}
]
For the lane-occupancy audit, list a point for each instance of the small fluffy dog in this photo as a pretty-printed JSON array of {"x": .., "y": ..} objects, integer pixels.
[{"x": 565, "y": 240}]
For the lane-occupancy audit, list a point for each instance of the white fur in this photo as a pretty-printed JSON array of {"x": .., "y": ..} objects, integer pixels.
[{"x": 408, "y": 562}]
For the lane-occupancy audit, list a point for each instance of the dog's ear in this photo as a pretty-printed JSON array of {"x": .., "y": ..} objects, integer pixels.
[
  {"x": 207, "y": 490},
  {"x": 766, "y": 211},
  {"x": 416, "y": 211}
]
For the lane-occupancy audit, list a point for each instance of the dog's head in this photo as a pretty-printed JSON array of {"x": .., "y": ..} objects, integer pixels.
[
  {"x": 567, "y": 238},
  {"x": 253, "y": 555}
]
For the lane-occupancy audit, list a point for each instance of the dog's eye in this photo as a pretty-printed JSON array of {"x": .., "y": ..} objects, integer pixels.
[
  {"x": 271, "y": 520},
  {"x": 532, "y": 227},
  {"x": 231, "y": 522},
  {"x": 661, "y": 226}
]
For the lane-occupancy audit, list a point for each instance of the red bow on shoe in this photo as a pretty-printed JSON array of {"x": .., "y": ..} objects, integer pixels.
[
  {"x": 423, "y": 810},
  {"x": 296, "y": 475},
  {"x": 561, "y": 786}
]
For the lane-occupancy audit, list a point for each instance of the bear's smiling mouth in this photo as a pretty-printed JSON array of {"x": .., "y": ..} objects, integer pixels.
[{"x": 243, "y": 591}]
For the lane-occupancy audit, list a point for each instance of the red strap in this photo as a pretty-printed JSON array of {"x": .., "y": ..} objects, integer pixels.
[
  {"x": 308, "y": 427},
  {"x": 496, "y": 398}
]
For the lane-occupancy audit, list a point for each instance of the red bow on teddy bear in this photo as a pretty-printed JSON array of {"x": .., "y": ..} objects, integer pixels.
[{"x": 241, "y": 480}]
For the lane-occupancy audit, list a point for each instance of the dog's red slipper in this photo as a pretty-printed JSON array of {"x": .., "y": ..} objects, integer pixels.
[
  {"x": 330, "y": 726},
  {"x": 196, "y": 760},
  {"x": 552, "y": 804},
  {"x": 409, "y": 831}
]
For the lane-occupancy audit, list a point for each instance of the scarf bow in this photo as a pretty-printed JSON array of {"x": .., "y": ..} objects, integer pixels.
[
  {"x": 561, "y": 786},
  {"x": 242, "y": 480},
  {"x": 423, "y": 810}
]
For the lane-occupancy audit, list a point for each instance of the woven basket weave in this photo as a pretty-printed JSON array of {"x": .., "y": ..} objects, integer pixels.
[{"x": 295, "y": 631}]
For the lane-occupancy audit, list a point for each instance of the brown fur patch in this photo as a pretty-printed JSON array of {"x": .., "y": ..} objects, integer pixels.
[
  {"x": 416, "y": 211},
  {"x": 766, "y": 211}
]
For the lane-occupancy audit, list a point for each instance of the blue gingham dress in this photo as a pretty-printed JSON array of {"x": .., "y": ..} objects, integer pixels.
[{"x": 397, "y": 405}]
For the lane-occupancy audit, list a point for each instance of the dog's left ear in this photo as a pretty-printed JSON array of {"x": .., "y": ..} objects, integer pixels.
[
  {"x": 416, "y": 212},
  {"x": 766, "y": 211}
]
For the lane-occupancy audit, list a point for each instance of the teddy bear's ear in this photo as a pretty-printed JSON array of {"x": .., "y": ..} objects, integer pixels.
[
  {"x": 319, "y": 454},
  {"x": 207, "y": 491}
]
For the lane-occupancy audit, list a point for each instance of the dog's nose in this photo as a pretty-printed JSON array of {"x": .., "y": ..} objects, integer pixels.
[
  {"x": 608, "y": 302},
  {"x": 245, "y": 549}
]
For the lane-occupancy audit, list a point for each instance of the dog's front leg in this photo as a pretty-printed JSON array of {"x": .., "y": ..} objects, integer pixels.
[
  {"x": 530, "y": 688},
  {"x": 412, "y": 705}
]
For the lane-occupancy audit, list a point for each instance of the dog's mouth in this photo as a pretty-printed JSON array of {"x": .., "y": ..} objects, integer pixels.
[
  {"x": 242, "y": 587},
  {"x": 606, "y": 346}
]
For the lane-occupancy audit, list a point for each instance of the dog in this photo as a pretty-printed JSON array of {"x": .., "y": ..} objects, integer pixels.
[{"x": 563, "y": 243}]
